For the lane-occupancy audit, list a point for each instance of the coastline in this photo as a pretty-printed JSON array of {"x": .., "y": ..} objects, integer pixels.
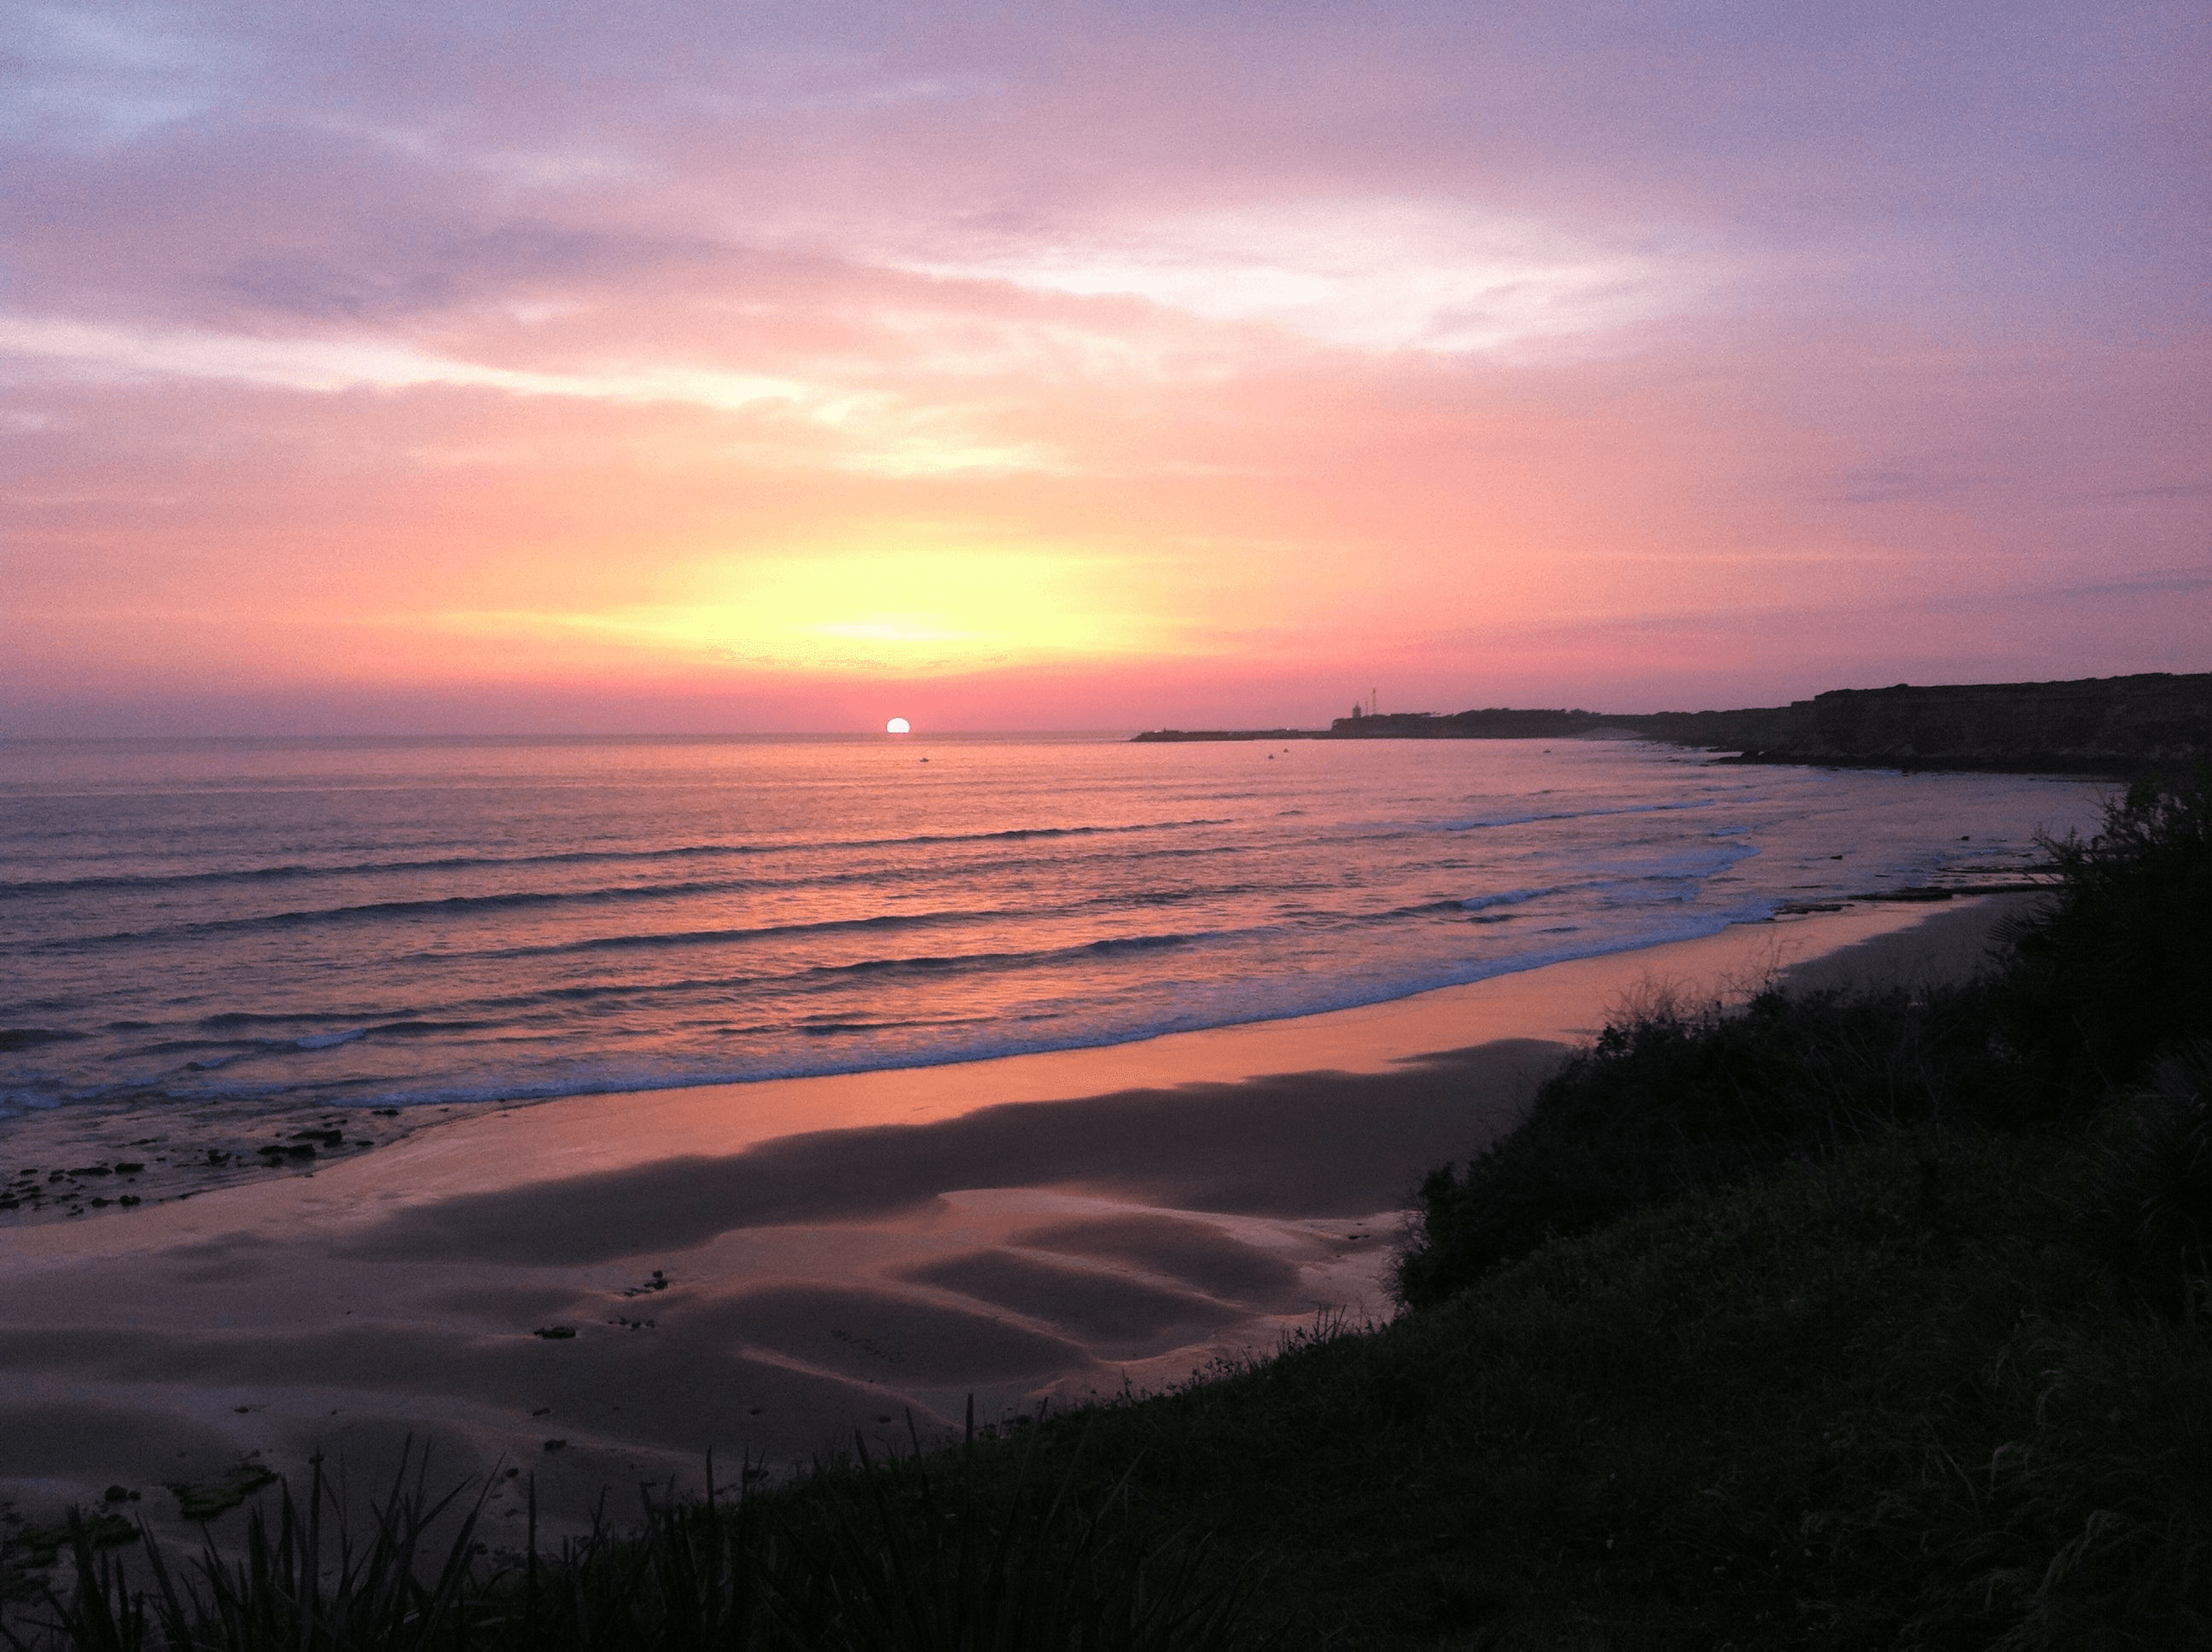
[
  {"x": 2114, "y": 727},
  {"x": 762, "y": 1269},
  {"x": 96, "y": 1163}
]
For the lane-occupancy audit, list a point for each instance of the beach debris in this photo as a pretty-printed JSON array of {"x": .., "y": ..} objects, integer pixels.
[
  {"x": 555, "y": 1332},
  {"x": 202, "y": 1500},
  {"x": 328, "y": 1138},
  {"x": 658, "y": 1282},
  {"x": 128, "y": 1167},
  {"x": 557, "y": 1445}
]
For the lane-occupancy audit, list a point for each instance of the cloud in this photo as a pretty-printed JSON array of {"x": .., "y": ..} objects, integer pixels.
[
  {"x": 1372, "y": 274},
  {"x": 2172, "y": 490},
  {"x": 1561, "y": 344}
]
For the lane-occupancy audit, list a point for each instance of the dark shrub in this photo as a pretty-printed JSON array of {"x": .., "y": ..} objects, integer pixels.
[
  {"x": 1669, "y": 1102},
  {"x": 2150, "y": 1217},
  {"x": 2115, "y": 969},
  {"x": 2120, "y": 964}
]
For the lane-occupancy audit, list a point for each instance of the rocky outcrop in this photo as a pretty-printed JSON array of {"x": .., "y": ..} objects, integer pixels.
[{"x": 2098, "y": 724}]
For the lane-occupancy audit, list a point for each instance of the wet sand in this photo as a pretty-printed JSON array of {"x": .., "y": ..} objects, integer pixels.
[{"x": 598, "y": 1291}]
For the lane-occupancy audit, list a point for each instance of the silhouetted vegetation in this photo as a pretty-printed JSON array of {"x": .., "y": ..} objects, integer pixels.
[
  {"x": 2149, "y": 1211},
  {"x": 1673, "y": 1101},
  {"x": 917, "y": 1556},
  {"x": 2110, "y": 977},
  {"x": 2120, "y": 968}
]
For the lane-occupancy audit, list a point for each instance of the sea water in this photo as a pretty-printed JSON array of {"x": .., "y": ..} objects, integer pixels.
[{"x": 397, "y": 922}]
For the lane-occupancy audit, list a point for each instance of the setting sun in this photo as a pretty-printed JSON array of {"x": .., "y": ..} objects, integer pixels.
[{"x": 898, "y": 725}]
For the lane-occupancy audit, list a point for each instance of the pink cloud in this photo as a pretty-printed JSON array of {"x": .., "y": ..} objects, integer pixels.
[{"x": 1578, "y": 355}]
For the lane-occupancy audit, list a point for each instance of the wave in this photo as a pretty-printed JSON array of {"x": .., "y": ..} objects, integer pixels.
[
  {"x": 274, "y": 1034},
  {"x": 815, "y": 977},
  {"x": 1602, "y": 887},
  {"x": 330, "y": 1041},
  {"x": 567, "y": 858},
  {"x": 26, "y": 1038},
  {"x": 940, "y": 963},
  {"x": 1482, "y": 822},
  {"x": 1445, "y": 908},
  {"x": 1118, "y": 900},
  {"x": 895, "y": 921},
  {"x": 364, "y": 1091},
  {"x": 277, "y": 1032},
  {"x": 464, "y": 906},
  {"x": 891, "y": 920}
]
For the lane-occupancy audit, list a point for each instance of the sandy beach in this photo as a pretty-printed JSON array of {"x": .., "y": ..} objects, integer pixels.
[{"x": 599, "y": 1290}]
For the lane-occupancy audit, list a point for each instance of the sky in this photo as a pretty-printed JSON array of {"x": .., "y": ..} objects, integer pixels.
[{"x": 675, "y": 367}]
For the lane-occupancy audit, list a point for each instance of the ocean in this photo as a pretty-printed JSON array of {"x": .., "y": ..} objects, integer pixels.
[{"x": 393, "y": 923}]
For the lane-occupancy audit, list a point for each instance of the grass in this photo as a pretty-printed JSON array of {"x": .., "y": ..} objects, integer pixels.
[
  {"x": 1884, "y": 1401},
  {"x": 1836, "y": 1324},
  {"x": 2108, "y": 985},
  {"x": 1670, "y": 1102},
  {"x": 968, "y": 1551}
]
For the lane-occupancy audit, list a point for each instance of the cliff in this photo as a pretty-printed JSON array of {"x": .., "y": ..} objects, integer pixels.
[
  {"x": 2099, "y": 725},
  {"x": 1496, "y": 723},
  {"x": 2093, "y": 726}
]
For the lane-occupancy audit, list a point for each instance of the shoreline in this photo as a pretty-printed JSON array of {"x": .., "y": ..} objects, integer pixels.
[
  {"x": 94, "y": 1162},
  {"x": 833, "y": 1255}
]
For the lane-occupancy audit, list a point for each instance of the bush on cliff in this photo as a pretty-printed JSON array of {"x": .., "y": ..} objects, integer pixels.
[
  {"x": 1669, "y": 1103},
  {"x": 2088, "y": 994},
  {"x": 2119, "y": 966}
]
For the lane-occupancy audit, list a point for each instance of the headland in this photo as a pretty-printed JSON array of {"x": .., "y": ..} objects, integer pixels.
[{"x": 2107, "y": 725}]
